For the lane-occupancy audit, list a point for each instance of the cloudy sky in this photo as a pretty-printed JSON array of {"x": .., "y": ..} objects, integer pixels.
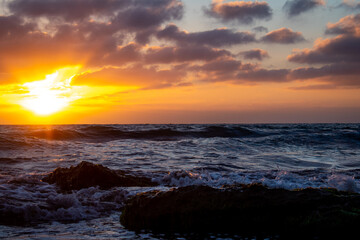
[{"x": 179, "y": 61}]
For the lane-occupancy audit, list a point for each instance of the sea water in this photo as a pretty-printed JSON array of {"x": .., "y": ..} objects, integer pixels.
[{"x": 286, "y": 156}]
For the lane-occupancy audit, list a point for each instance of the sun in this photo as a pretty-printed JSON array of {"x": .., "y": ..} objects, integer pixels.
[{"x": 48, "y": 96}]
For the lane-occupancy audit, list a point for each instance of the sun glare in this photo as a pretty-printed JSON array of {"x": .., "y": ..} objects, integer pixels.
[{"x": 48, "y": 96}]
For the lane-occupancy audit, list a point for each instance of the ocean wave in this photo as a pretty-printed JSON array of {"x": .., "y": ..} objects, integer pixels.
[
  {"x": 105, "y": 133},
  {"x": 24, "y": 204},
  {"x": 26, "y": 200},
  {"x": 6, "y": 143},
  {"x": 57, "y": 134},
  {"x": 342, "y": 181}
]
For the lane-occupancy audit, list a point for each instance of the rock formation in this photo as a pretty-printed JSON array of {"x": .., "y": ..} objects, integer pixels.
[{"x": 88, "y": 174}]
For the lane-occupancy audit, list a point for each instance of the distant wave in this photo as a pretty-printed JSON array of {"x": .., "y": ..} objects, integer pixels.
[
  {"x": 56, "y": 134},
  {"x": 10, "y": 144},
  {"x": 101, "y": 133}
]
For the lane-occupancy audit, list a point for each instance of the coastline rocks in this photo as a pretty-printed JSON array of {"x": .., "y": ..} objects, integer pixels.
[
  {"x": 247, "y": 210},
  {"x": 87, "y": 174}
]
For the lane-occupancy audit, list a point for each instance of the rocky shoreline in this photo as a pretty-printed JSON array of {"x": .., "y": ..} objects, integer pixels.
[
  {"x": 87, "y": 174},
  {"x": 247, "y": 210}
]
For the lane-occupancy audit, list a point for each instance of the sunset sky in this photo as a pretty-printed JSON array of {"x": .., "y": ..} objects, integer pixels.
[{"x": 173, "y": 61}]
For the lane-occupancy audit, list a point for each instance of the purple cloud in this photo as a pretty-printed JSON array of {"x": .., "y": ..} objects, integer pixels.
[
  {"x": 296, "y": 7},
  {"x": 283, "y": 36},
  {"x": 240, "y": 11},
  {"x": 213, "y": 38},
  {"x": 257, "y": 53}
]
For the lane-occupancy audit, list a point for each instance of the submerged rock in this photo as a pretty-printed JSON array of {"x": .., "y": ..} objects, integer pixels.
[
  {"x": 87, "y": 174},
  {"x": 247, "y": 210}
]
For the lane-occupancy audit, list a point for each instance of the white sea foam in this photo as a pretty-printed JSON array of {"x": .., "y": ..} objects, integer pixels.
[
  {"x": 31, "y": 203},
  {"x": 273, "y": 179}
]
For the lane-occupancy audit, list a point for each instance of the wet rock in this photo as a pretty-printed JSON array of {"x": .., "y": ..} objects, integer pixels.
[
  {"x": 88, "y": 174},
  {"x": 251, "y": 210}
]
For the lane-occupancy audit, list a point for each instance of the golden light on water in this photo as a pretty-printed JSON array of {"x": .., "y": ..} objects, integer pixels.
[{"x": 50, "y": 95}]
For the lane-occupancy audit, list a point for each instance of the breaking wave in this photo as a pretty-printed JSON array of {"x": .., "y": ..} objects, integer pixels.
[{"x": 107, "y": 133}]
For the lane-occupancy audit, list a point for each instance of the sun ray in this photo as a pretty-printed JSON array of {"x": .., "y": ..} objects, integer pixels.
[{"x": 50, "y": 95}]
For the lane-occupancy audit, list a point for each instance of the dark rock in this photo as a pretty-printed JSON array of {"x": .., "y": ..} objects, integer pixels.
[
  {"x": 88, "y": 174},
  {"x": 248, "y": 210}
]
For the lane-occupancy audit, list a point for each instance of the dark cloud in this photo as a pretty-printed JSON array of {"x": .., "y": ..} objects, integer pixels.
[
  {"x": 264, "y": 75},
  {"x": 141, "y": 17},
  {"x": 13, "y": 27},
  {"x": 237, "y": 72},
  {"x": 184, "y": 54},
  {"x": 349, "y": 25},
  {"x": 151, "y": 12},
  {"x": 260, "y": 29},
  {"x": 213, "y": 38},
  {"x": 122, "y": 55},
  {"x": 93, "y": 33},
  {"x": 296, "y": 7},
  {"x": 343, "y": 48},
  {"x": 229, "y": 65},
  {"x": 331, "y": 71},
  {"x": 68, "y": 9},
  {"x": 257, "y": 53},
  {"x": 111, "y": 35},
  {"x": 283, "y": 36},
  {"x": 144, "y": 14},
  {"x": 240, "y": 11},
  {"x": 218, "y": 71},
  {"x": 341, "y": 54}
]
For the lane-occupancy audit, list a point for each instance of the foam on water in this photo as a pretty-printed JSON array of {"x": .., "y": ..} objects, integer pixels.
[
  {"x": 273, "y": 179},
  {"x": 31, "y": 202},
  {"x": 278, "y": 156}
]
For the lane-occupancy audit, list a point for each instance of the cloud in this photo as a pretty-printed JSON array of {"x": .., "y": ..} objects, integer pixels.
[
  {"x": 349, "y": 25},
  {"x": 235, "y": 71},
  {"x": 141, "y": 17},
  {"x": 345, "y": 47},
  {"x": 122, "y": 55},
  {"x": 134, "y": 75},
  {"x": 152, "y": 12},
  {"x": 331, "y": 70},
  {"x": 296, "y": 7},
  {"x": 260, "y": 29},
  {"x": 213, "y": 38},
  {"x": 240, "y": 11},
  {"x": 217, "y": 71},
  {"x": 39, "y": 35},
  {"x": 13, "y": 27},
  {"x": 350, "y": 5},
  {"x": 257, "y": 53},
  {"x": 24, "y": 46},
  {"x": 264, "y": 75},
  {"x": 341, "y": 54},
  {"x": 184, "y": 54},
  {"x": 71, "y": 10},
  {"x": 130, "y": 42},
  {"x": 283, "y": 36},
  {"x": 339, "y": 49},
  {"x": 143, "y": 14}
]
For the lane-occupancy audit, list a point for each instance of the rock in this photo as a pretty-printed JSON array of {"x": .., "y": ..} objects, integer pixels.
[
  {"x": 249, "y": 210},
  {"x": 88, "y": 174}
]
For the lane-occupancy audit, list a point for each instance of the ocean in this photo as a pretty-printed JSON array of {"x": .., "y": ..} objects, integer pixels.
[{"x": 289, "y": 156}]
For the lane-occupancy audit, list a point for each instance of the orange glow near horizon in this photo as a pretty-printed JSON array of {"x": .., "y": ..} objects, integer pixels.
[{"x": 51, "y": 95}]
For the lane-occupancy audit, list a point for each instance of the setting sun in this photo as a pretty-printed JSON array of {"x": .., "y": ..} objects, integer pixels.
[{"x": 49, "y": 96}]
